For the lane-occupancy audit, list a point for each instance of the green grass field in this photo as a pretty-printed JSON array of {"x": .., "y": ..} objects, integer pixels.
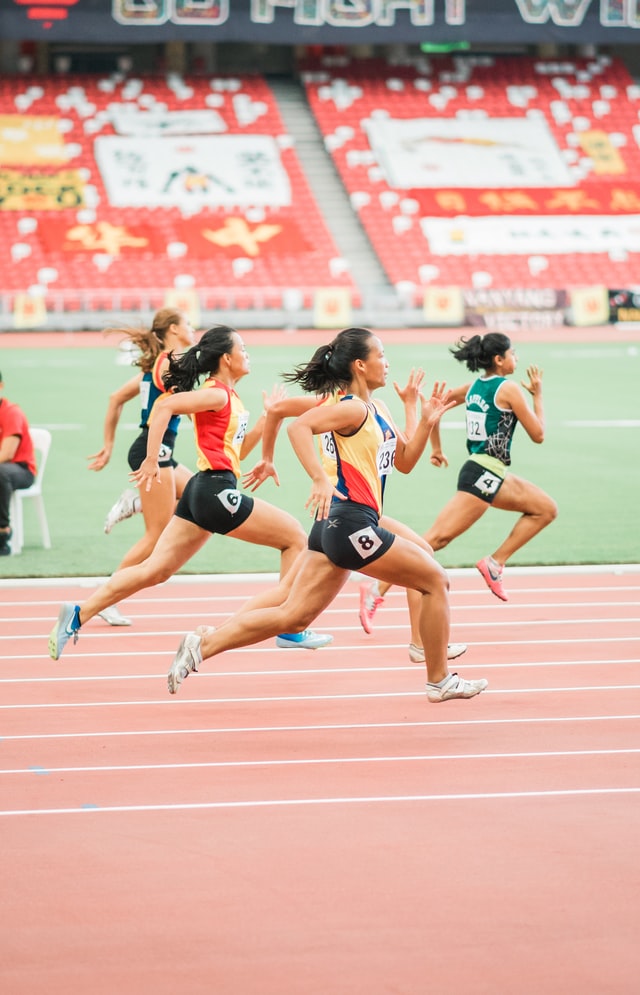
[{"x": 589, "y": 461}]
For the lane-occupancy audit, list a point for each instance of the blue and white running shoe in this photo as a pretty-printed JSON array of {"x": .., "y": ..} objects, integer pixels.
[
  {"x": 66, "y": 628},
  {"x": 308, "y": 640}
]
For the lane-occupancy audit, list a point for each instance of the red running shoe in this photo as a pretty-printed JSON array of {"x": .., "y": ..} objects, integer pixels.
[
  {"x": 492, "y": 574},
  {"x": 369, "y": 603}
]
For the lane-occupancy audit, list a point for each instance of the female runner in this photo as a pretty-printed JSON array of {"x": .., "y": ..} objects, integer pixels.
[
  {"x": 346, "y": 534},
  {"x": 170, "y": 331},
  {"x": 494, "y": 406},
  {"x": 211, "y": 501}
]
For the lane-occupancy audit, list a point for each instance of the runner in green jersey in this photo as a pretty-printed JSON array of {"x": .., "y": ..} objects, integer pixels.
[{"x": 494, "y": 406}]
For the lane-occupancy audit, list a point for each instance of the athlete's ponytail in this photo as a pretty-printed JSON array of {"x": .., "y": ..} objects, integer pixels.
[
  {"x": 201, "y": 360},
  {"x": 479, "y": 352},
  {"x": 329, "y": 369},
  {"x": 149, "y": 342}
]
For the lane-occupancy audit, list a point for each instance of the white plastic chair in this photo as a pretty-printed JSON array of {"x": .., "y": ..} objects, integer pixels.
[{"x": 42, "y": 443}]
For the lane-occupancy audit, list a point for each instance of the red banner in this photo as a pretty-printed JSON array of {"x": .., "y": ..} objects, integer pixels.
[
  {"x": 202, "y": 237},
  {"x": 600, "y": 198}
]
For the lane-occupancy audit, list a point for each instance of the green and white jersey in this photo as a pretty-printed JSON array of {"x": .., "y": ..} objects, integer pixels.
[{"x": 490, "y": 428}]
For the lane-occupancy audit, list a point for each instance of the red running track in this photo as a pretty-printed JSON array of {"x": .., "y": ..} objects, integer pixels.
[{"x": 299, "y": 822}]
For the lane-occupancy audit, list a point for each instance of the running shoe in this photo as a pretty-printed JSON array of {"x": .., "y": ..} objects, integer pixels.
[
  {"x": 113, "y": 616},
  {"x": 186, "y": 662},
  {"x": 492, "y": 574},
  {"x": 455, "y": 687},
  {"x": 127, "y": 505},
  {"x": 65, "y": 629},
  {"x": 369, "y": 603},
  {"x": 416, "y": 653},
  {"x": 308, "y": 640}
]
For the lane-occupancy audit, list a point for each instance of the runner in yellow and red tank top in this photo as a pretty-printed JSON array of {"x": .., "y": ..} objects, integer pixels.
[
  {"x": 347, "y": 533},
  {"x": 211, "y": 502}
]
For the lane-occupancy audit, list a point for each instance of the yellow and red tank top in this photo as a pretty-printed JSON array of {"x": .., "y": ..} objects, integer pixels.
[
  {"x": 219, "y": 434},
  {"x": 366, "y": 458}
]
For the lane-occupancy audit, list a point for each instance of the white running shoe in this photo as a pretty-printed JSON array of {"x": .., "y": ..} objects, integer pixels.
[
  {"x": 307, "y": 640},
  {"x": 128, "y": 504},
  {"x": 186, "y": 661},
  {"x": 455, "y": 687},
  {"x": 113, "y": 616},
  {"x": 416, "y": 653}
]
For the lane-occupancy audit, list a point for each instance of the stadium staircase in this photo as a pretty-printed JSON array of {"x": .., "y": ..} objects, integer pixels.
[{"x": 356, "y": 252}]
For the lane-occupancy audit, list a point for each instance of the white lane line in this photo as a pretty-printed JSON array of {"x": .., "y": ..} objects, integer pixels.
[
  {"x": 399, "y": 607},
  {"x": 328, "y": 727},
  {"x": 298, "y": 802},
  {"x": 319, "y": 761},
  {"x": 280, "y": 699},
  {"x": 399, "y": 668}
]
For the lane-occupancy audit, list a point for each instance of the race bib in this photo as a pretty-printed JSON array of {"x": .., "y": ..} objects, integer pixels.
[
  {"x": 476, "y": 426},
  {"x": 328, "y": 446},
  {"x": 386, "y": 457},
  {"x": 365, "y": 542},
  {"x": 145, "y": 387},
  {"x": 487, "y": 482},
  {"x": 241, "y": 431},
  {"x": 230, "y": 499}
]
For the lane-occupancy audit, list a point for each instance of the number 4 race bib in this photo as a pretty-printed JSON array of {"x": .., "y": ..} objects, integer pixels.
[{"x": 488, "y": 483}]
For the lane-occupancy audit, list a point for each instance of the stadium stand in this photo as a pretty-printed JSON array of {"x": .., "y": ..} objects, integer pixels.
[
  {"x": 485, "y": 172},
  {"x": 114, "y": 189}
]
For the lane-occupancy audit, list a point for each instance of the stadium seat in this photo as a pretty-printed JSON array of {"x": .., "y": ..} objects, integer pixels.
[{"x": 42, "y": 443}]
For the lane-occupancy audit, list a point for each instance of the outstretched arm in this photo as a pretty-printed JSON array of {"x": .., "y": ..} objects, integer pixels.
[
  {"x": 117, "y": 401},
  {"x": 513, "y": 396},
  {"x": 287, "y": 407},
  {"x": 438, "y": 457},
  {"x": 253, "y": 436},
  {"x": 410, "y": 395},
  {"x": 408, "y": 452}
]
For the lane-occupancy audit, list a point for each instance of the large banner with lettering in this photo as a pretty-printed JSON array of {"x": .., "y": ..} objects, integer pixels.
[
  {"x": 323, "y": 22},
  {"x": 193, "y": 172},
  {"x": 489, "y": 152}
]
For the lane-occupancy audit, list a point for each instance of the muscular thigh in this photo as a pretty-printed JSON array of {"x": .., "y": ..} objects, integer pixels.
[
  {"x": 408, "y": 565},
  {"x": 270, "y": 526},
  {"x": 518, "y": 494},
  {"x": 400, "y": 529}
]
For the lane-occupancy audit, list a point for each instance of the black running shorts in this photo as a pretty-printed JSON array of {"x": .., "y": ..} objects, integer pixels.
[
  {"x": 350, "y": 537},
  {"x": 477, "y": 480},
  {"x": 138, "y": 450},
  {"x": 212, "y": 501}
]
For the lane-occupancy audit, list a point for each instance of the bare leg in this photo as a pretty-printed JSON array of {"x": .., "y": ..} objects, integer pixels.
[
  {"x": 400, "y": 529},
  {"x": 270, "y": 526},
  {"x": 178, "y": 543},
  {"x": 407, "y": 564},
  {"x": 317, "y": 582},
  {"x": 537, "y": 508},
  {"x": 158, "y": 506}
]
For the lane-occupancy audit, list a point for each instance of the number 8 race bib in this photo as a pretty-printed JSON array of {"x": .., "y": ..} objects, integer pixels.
[{"x": 365, "y": 542}]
